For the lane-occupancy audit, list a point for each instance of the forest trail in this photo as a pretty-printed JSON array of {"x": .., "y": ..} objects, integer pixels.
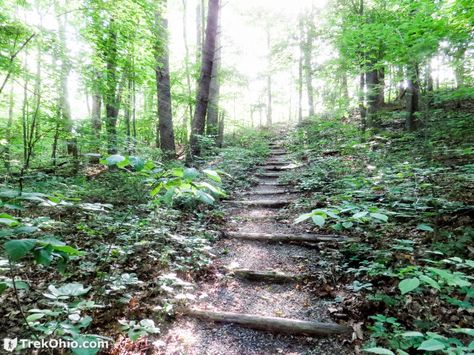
[{"x": 254, "y": 275}]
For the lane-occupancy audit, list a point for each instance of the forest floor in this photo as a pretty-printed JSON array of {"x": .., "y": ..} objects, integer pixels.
[{"x": 257, "y": 211}]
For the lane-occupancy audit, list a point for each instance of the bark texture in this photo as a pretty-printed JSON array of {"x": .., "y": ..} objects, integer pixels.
[
  {"x": 163, "y": 86},
  {"x": 272, "y": 324},
  {"x": 202, "y": 100}
]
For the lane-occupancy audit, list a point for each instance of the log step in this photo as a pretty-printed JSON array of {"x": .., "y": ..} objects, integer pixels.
[
  {"x": 271, "y": 324},
  {"x": 278, "y": 152},
  {"x": 272, "y": 183},
  {"x": 282, "y": 167},
  {"x": 270, "y": 174},
  {"x": 263, "y": 203},
  {"x": 266, "y": 275},
  {"x": 281, "y": 237},
  {"x": 267, "y": 192}
]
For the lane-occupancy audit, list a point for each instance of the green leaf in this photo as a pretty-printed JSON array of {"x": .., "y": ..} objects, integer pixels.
[
  {"x": 431, "y": 345},
  {"x": 467, "y": 331},
  {"x": 360, "y": 215},
  {"x": 303, "y": 217},
  {"x": 379, "y": 216},
  {"x": 411, "y": 334},
  {"x": 428, "y": 280},
  {"x": 318, "y": 220},
  {"x": 213, "y": 175},
  {"x": 44, "y": 256},
  {"x": 18, "y": 248},
  {"x": 63, "y": 292},
  {"x": 114, "y": 159},
  {"x": 408, "y": 285},
  {"x": 424, "y": 227},
  {"x": 34, "y": 316},
  {"x": 8, "y": 220},
  {"x": 3, "y": 287},
  {"x": 190, "y": 173},
  {"x": 381, "y": 351},
  {"x": 205, "y": 197}
]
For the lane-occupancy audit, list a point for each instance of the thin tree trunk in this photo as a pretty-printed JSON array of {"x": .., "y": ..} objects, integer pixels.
[
  {"x": 213, "y": 109},
  {"x": 412, "y": 97},
  {"x": 202, "y": 99},
  {"x": 300, "y": 72},
  {"x": 165, "y": 116},
  {"x": 110, "y": 97},
  {"x": 128, "y": 114},
  {"x": 188, "y": 70},
  {"x": 8, "y": 133},
  {"x": 362, "y": 110},
  {"x": 308, "y": 49},
  {"x": 220, "y": 135},
  {"x": 65, "y": 108},
  {"x": 269, "y": 79}
]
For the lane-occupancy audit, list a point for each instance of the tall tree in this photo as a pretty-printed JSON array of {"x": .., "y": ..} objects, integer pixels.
[
  {"x": 202, "y": 99},
  {"x": 213, "y": 108},
  {"x": 64, "y": 106},
  {"x": 308, "y": 68},
  {"x": 269, "y": 77},
  {"x": 165, "y": 116}
]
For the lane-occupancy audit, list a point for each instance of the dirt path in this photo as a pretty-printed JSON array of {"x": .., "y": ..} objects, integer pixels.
[{"x": 258, "y": 211}]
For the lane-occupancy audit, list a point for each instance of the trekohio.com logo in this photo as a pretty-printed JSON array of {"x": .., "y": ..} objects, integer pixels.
[{"x": 10, "y": 344}]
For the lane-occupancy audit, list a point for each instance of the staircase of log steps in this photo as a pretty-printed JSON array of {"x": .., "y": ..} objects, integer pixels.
[{"x": 270, "y": 193}]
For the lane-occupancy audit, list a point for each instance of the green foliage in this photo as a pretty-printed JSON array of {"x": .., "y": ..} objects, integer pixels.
[{"x": 136, "y": 330}]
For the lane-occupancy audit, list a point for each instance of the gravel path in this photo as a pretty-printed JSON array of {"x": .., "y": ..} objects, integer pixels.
[{"x": 226, "y": 293}]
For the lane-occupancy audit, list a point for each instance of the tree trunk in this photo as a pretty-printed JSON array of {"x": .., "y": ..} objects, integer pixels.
[
  {"x": 300, "y": 72},
  {"x": 188, "y": 70},
  {"x": 220, "y": 135},
  {"x": 412, "y": 97},
  {"x": 459, "y": 66},
  {"x": 65, "y": 108},
  {"x": 372, "y": 82},
  {"x": 165, "y": 117},
  {"x": 381, "y": 87},
  {"x": 308, "y": 49},
  {"x": 213, "y": 109},
  {"x": 269, "y": 79},
  {"x": 8, "y": 133},
  {"x": 272, "y": 324},
  {"x": 202, "y": 99},
  {"x": 110, "y": 97},
  {"x": 362, "y": 110}
]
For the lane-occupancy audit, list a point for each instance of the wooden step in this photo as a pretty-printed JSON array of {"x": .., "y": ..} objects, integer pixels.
[
  {"x": 270, "y": 174},
  {"x": 266, "y": 275},
  {"x": 282, "y": 237},
  {"x": 267, "y": 192},
  {"x": 262, "y": 203},
  {"x": 278, "y": 152},
  {"x": 271, "y": 324},
  {"x": 282, "y": 167},
  {"x": 272, "y": 183}
]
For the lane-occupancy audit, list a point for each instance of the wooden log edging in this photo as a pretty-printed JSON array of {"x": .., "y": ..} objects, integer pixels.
[
  {"x": 266, "y": 275},
  {"x": 263, "y": 203},
  {"x": 280, "y": 237},
  {"x": 271, "y": 324}
]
